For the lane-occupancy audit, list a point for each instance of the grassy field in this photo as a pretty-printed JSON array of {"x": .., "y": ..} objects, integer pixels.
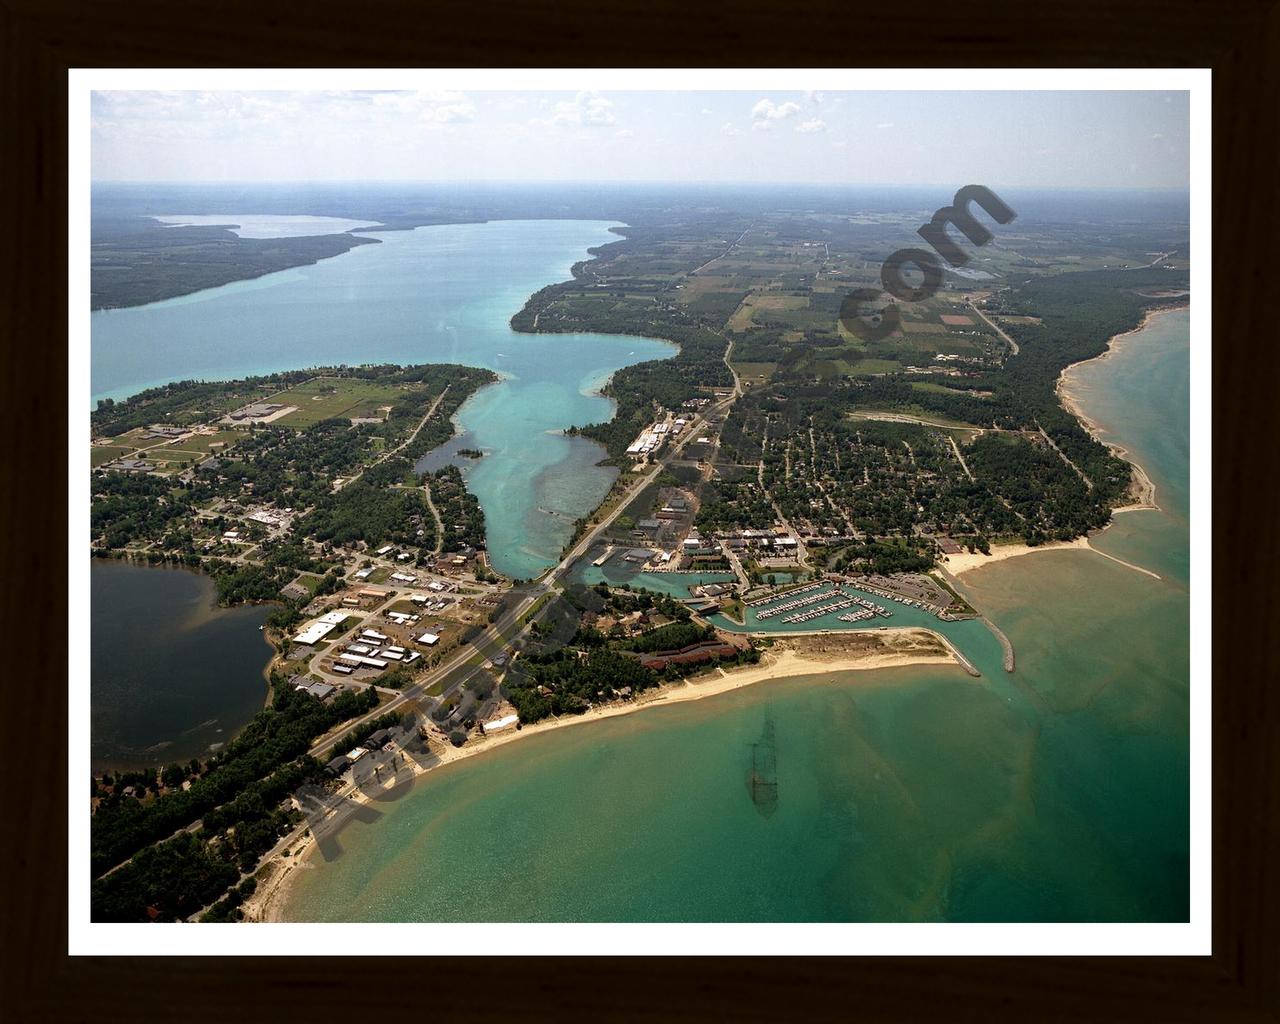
[
  {"x": 867, "y": 367},
  {"x": 309, "y": 580},
  {"x": 325, "y": 398},
  {"x": 755, "y": 373},
  {"x": 100, "y": 454},
  {"x": 201, "y": 445}
]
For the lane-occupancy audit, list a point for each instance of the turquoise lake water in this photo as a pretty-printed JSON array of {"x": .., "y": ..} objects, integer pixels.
[
  {"x": 437, "y": 294},
  {"x": 1154, "y": 433},
  {"x": 1057, "y": 793}
]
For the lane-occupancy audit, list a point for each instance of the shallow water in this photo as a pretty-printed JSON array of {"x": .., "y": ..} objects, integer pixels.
[{"x": 1058, "y": 793}]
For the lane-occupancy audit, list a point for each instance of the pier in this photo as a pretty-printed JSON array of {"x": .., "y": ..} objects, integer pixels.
[
  {"x": 800, "y": 602},
  {"x": 817, "y": 613},
  {"x": 1005, "y": 643},
  {"x": 608, "y": 553}
]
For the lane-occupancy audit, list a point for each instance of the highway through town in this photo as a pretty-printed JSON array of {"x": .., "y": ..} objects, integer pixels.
[{"x": 458, "y": 670}]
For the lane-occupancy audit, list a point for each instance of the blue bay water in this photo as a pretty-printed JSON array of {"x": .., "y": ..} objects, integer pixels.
[
  {"x": 436, "y": 294},
  {"x": 1058, "y": 793}
]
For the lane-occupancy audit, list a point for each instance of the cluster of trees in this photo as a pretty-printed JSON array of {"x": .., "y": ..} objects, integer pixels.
[
  {"x": 733, "y": 504},
  {"x": 1079, "y": 313},
  {"x": 288, "y": 468},
  {"x": 881, "y": 556},
  {"x": 166, "y": 882},
  {"x": 167, "y": 261},
  {"x": 274, "y": 737},
  {"x": 459, "y": 510},
  {"x": 628, "y": 599},
  {"x": 671, "y": 637},
  {"x": 358, "y": 735},
  {"x": 111, "y": 786},
  {"x": 126, "y": 507},
  {"x": 229, "y": 907},
  {"x": 1046, "y": 494},
  {"x": 375, "y": 515},
  {"x": 574, "y": 682}
]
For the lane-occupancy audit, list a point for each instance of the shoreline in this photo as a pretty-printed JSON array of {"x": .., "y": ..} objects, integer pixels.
[
  {"x": 897, "y": 647},
  {"x": 1142, "y": 488}
]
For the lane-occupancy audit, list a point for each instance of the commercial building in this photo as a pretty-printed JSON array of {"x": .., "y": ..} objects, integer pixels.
[{"x": 320, "y": 629}]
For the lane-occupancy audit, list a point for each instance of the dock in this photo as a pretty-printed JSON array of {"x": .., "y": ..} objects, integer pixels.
[{"x": 608, "y": 553}]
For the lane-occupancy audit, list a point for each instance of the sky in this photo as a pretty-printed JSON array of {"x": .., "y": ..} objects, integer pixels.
[{"x": 1016, "y": 139}]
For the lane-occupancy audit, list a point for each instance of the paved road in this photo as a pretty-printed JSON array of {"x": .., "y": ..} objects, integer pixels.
[
  {"x": 1000, "y": 331},
  {"x": 469, "y": 660}
]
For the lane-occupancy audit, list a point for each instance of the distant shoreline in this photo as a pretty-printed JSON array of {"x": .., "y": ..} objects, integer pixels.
[{"x": 793, "y": 656}]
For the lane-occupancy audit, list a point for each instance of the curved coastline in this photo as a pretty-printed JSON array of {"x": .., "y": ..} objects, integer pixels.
[
  {"x": 267, "y": 903},
  {"x": 271, "y": 900},
  {"x": 1142, "y": 488}
]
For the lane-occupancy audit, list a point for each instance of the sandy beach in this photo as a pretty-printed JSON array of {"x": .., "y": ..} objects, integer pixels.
[
  {"x": 966, "y": 561},
  {"x": 1142, "y": 491},
  {"x": 790, "y": 657},
  {"x": 794, "y": 656}
]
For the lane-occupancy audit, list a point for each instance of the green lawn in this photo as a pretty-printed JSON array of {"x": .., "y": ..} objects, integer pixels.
[
  {"x": 335, "y": 397},
  {"x": 100, "y": 454},
  {"x": 201, "y": 445}
]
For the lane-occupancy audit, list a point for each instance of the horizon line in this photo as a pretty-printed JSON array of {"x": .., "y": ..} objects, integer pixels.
[{"x": 668, "y": 182}]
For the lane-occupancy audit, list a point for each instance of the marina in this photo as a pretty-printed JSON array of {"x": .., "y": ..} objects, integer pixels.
[
  {"x": 800, "y": 602},
  {"x": 817, "y": 613}
]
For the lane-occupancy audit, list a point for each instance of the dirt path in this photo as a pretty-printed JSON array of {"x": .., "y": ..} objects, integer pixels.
[
  {"x": 963, "y": 465},
  {"x": 426, "y": 491},
  {"x": 1063, "y": 455}
]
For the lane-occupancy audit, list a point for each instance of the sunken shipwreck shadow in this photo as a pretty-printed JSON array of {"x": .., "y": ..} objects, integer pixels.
[{"x": 762, "y": 779}]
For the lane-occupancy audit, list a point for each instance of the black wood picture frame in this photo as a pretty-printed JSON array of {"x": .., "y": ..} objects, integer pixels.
[{"x": 1239, "y": 39}]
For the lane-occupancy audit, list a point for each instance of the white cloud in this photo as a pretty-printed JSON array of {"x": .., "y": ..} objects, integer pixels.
[
  {"x": 728, "y": 129},
  {"x": 706, "y": 111},
  {"x": 623, "y": 133},
  {"x": 436, "y": 106},
  {"x": 884, "y": 124},
  {"x": 810, "y": 127},
  {"x": 586, "y": 110},
  {"x": 766, "y": 110},
  {"x": 815, "y": 97}
]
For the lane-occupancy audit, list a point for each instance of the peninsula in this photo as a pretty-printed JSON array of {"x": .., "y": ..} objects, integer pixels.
[{"x": 776, "y": 475}]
